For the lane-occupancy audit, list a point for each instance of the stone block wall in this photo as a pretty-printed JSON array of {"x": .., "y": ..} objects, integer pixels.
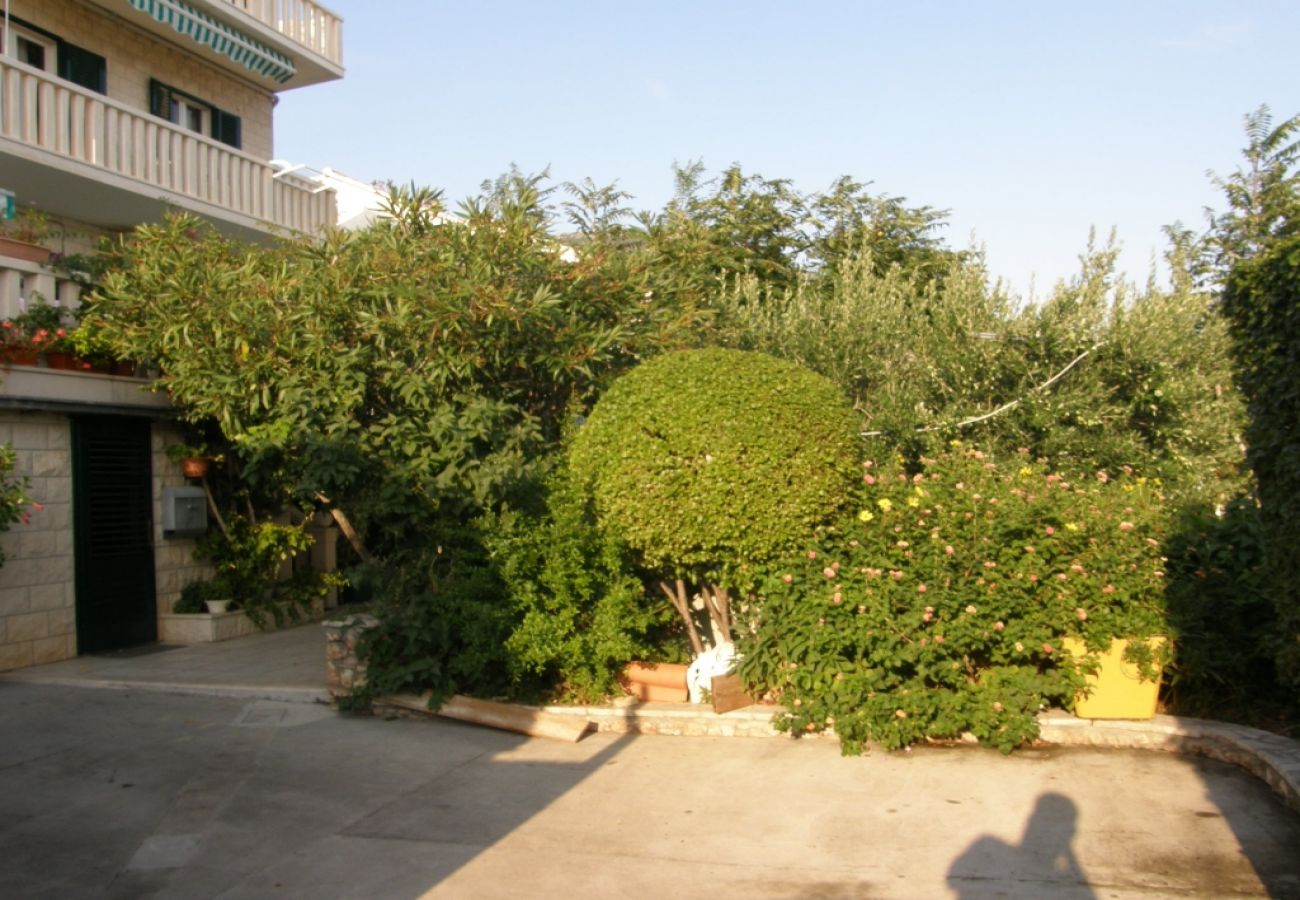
[
  {"x": 173, "y": 558},
  {"x": 37, "y": 590}
]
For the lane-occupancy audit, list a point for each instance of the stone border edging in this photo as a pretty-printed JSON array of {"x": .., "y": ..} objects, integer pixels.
[{"x": 1271, "y": 758}]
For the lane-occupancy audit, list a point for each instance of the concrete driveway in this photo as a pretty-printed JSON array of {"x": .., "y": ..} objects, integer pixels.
[{"x": 110, "y": 793}]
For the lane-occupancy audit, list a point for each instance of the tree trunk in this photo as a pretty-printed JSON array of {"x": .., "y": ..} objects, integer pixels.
[{"x": 681, "y": 602}]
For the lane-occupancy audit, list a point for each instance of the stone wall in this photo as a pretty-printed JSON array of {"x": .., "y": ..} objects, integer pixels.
[
  {"x": 344, "y": 672},
  {"x": 38, "y": 578},
  {"x": 173, "y": 558},
  {"x": 37, "y": 591}
]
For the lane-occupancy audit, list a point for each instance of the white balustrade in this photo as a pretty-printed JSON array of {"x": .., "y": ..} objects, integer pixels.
[
  {"x": 23, "y": 284},
  {"x": 75, "y": 124},
  {"x": 302, "y": 21}
]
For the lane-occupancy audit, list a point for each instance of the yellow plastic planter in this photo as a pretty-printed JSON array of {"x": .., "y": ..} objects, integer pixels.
[{"x": 1116, "y": 691}]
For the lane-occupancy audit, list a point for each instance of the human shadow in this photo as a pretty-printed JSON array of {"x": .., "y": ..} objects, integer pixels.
[{"x": 1043, "y": 860}]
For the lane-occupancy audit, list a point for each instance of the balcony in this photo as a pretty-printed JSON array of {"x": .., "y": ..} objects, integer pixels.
[
  {"x": 75, "y": 153},
  {"x": 307, "y": 34},
  {"x": 307, "y": 24}
]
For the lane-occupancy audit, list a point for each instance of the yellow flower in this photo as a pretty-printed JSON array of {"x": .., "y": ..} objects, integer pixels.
[
  {"x": 1071, "y": 526},
  {"x": 1026, "y": 472},
  {"x": 913, "y": 501},
  {"x": 884, "y": 504},
  {"x": 865, "y": 516}
]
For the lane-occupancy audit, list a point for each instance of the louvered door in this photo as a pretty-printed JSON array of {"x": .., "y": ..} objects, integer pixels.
[{"x": 113, "y": 533}]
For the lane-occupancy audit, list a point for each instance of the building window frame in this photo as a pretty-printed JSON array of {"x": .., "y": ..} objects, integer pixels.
[{"x": 187, "y": 111}]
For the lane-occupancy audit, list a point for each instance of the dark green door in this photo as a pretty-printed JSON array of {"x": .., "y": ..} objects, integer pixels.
[{"x": 113, "y": 525}]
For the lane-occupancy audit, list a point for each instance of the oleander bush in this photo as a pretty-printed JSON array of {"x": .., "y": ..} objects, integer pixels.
[{"x": 939, "y": 607}]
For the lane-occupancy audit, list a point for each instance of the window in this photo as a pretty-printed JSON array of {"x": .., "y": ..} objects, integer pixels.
[
  {"x": 194, "y": 114},
  {"x": 83, "y": 67},
  {"x": 30, "y": 48},
  {"x": 42, "y": 50}
]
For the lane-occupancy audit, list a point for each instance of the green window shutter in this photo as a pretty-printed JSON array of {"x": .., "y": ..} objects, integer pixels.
[
  {"x": 226, "y": 128},
  {"x": 160, "y": 99},
  {"x": 82, "y": 67}
]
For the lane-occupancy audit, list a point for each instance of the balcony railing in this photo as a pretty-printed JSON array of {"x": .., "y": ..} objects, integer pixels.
[
  {"x": 71, "y": 123},
  {"x": 302, "y": 21}
]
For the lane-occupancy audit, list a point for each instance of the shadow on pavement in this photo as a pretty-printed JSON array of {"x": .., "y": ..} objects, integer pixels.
[
  {"x": 1268, "y": 834},
  {"x": 125, "y": 794},
  {"x": 1043, "y": 861}
]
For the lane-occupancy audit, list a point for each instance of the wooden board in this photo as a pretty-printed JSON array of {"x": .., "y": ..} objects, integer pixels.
[
  {"x": 506, "y": 716},
  {"x": 729, "y": 693}
]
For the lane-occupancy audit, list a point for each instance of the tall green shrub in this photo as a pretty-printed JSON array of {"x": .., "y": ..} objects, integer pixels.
[
  {"x": 578, "y": 609},
  {"x": 1262, "y": 303},
  {"x": 708, "y": 463}
]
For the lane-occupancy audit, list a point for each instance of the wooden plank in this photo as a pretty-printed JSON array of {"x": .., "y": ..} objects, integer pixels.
[
  {"x": 729, "y": 693},
  {"x": 506, "y": 716}
]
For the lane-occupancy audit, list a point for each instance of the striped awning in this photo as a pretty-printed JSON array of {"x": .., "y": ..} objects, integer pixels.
[{"x": 219, "y": 36}]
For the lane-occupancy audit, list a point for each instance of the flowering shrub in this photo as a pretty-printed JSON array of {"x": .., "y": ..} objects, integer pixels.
[
  {"x": 40, "y": 328},
  {"x": 13, "y": 495},
  {"x": 939, "y": 607}
]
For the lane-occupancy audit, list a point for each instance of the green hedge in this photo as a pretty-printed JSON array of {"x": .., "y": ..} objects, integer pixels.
[{"x": 1262, "y": 304}]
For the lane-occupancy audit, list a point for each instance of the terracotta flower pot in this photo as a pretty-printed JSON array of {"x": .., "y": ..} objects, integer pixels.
[
  {"x": 61, "y": 359},
  {"x": 15, "y": 249},
  {"x": 656, "y": 681},
  {"x": 19, "y": 356},
  {"x": 195, "y": 466}
]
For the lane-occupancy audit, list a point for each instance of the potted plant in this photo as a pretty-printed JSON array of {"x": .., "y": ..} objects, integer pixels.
[
  {"x": 212, "y": 596},
  {"x": 38, "y": 336},
  {"x": 20, "y": 238},
  {"x": 194, "y": 459}
]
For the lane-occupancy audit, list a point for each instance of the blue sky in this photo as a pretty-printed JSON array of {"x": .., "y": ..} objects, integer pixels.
[{"x": 1030, "y": 122}]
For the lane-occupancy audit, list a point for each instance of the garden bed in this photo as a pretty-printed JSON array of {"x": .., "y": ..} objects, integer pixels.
[{"x": 206, "y": 628}]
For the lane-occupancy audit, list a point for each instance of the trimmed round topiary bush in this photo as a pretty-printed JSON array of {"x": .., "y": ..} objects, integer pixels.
[{"x": 710, "y": 463}]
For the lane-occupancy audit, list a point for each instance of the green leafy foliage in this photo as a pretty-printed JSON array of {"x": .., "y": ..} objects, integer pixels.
[
  {"x": 1100, "y": 375},
  {"x": 195, "y": 595},
  {"x": 707, "y": 463},
  {"x": 579, "y": 610},
  {"x": 13, "y": 494},
  {"x": 443, "y": 622},
  {"x": 1220, "y": 596},
  {"x": 249, "y": 558},
  {"x": 1262, "y": 303},
  {"x": 939, "y": 608},
  {"x": 406, "y": 370}
]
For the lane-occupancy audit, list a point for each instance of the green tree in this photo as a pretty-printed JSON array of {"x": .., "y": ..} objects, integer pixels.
[
  {"x": 1262, "y": 303},
  {"x": 708, "y": 463}
]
